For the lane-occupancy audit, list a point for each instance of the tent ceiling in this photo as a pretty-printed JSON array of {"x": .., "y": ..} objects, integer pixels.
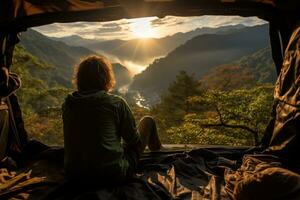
[{"x": 22, "y": 14}]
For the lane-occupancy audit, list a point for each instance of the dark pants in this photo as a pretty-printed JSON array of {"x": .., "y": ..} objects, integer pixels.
[{"x": 148, "y": 137}]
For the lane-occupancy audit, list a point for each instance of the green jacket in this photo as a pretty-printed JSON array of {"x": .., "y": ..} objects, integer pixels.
[{"x": 94, "y": 125}]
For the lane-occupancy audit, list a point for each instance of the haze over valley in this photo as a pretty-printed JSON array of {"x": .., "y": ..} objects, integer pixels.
[{"x": 141, "y": 64}]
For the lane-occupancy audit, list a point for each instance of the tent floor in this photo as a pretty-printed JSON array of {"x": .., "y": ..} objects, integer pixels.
[{"x": 178, "y": 172}]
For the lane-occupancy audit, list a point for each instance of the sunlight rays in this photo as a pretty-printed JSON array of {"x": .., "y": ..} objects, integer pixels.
[{"x": 142, "y": 28}]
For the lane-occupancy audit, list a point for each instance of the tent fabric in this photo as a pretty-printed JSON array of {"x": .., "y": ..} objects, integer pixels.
[
  {"x": 7, "y": 45},
  {"x": 18, "y": 9},
  {"x": 203, "y": 173},
  {"x": 21, "y": 14},
  {"x": 283, "y": 135},
  {"x": 161, "y": 175},
  {"x": 197, "y": 174},
  {"x": 262, "y": 177}
]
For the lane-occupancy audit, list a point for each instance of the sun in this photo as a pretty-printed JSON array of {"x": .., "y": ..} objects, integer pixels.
[{"x": 141, "y": 28}]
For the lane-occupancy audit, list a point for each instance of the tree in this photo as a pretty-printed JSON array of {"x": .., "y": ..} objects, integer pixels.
[
  {"x": 174, "y": 104},
  {"x": 241, "y": 111}
]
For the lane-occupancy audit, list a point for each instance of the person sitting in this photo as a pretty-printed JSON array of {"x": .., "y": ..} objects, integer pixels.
[{"x": 101, "y": 139}]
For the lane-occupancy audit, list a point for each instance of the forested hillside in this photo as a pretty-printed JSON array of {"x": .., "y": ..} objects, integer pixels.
[
  {"x": 199, "y": 55},
  {"x": 64, "y": 57},
  {"x": 60, "y": 55},
  {"x": 246, "y": 71},
  {"x": 261, "y": 64},
  {"x": 40, "y": 97}
]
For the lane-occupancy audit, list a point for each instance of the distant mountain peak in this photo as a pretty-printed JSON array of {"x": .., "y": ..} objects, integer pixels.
[{"x": 75, "y": 37}]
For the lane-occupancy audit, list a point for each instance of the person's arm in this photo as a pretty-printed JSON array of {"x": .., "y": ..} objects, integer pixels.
[{"x": 128, "y": 127}]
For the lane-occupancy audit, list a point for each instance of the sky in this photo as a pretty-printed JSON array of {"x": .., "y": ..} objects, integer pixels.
[{"x": 150, "y": 27}]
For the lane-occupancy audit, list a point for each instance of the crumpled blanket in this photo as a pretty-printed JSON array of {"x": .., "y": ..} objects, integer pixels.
[
  {"x": 16, "y": 185},
  {"x": 201, "y": 174},
  {"x": 262, "y": 177}
]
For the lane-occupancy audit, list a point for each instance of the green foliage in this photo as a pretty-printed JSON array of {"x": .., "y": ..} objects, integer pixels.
[
  {"x": 191, "y": 113},
  {"x": 229, "y": 77},
  {"x": 40, "y": 97},
  {"x": 237, "y": 117},
  {"x": 190, "y": 132},
  {"x": 227, "y": 107},
  {"x": 47, "y": 129},
  {"x": 261, "y": 65},
  {"x": 174, "y": 104}
]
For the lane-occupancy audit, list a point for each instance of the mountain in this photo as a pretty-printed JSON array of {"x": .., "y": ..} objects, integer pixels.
[
  {"x": 199, "y": 55},
  {"x": 122, "y": 75},
  {"x": 142, "y": 51},
  {"x": 261, "y": 64},
  {"x": 34, "y": 73},
  {"x": 63, "y": 57},
  {"x": 246, "y": 72},
  {"x": 40, "y": 89},
  {"x": 73, "y": 40}
]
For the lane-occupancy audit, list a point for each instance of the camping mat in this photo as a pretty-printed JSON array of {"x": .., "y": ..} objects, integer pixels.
[{"x": 205, "y": 173}]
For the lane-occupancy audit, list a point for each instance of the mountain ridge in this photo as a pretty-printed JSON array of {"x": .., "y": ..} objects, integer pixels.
[
  {"x": 199, "y": 55},
  {"x": 142, "y": 51},
  {"x": 64, "y": 57}
]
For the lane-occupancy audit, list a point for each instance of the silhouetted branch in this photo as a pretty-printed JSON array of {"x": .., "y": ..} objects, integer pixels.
[{"x": 223, "y": 124}]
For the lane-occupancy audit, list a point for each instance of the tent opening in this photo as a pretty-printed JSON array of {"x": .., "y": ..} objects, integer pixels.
[{"x": 207, "y": 80}]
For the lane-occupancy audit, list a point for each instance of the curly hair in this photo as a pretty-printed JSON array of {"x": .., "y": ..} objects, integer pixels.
[{"x": 94, "y": 73}]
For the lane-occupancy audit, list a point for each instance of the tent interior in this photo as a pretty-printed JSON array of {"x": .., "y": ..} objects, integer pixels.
[{"x": 183, "y": 172}]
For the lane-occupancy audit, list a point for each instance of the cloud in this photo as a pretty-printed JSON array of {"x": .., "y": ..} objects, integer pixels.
[
  {"x": 159, "y": 22},
  {"x": 122, "y": 29},
  {"x": 110, "y": 25},
  {"x": 168, "y": 21},
  {"x": 115, "y": 24},
  {"x": 171, "y": 25},
  {"x": 216, "y": 21},
  {"x": 89, "y": 30}
]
